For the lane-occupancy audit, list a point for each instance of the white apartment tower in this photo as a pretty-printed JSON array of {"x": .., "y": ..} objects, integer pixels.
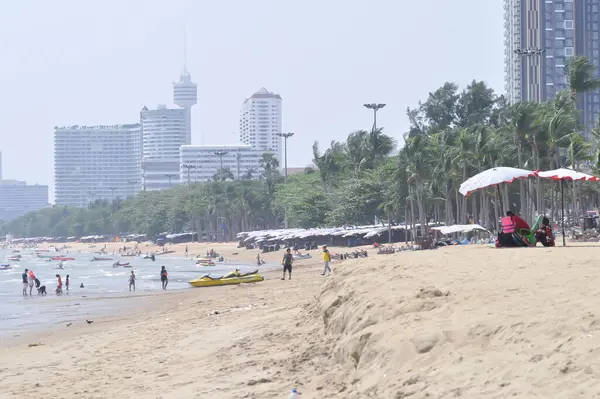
[
  {"x": 96, "y": 162},
  {"x": 260, "y": 121},
  {"x": 185, "y": 94},
  {"x": 164, "y": 132}
]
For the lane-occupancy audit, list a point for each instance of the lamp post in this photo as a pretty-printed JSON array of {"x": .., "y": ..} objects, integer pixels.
[
  {"x": 170, "y": 176},
  {"x": 112, "y": 196},
  {"x": 221, "y": 154},
  {"x": 375, "y": 107},
  {"x": 285, "y": 137},
  {"x": 188, "y": 167}
]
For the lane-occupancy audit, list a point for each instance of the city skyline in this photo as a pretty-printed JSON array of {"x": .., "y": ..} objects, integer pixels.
[{"x": 325, "y": 74}]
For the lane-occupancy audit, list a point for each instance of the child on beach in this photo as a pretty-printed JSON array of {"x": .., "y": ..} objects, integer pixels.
[
  {"x": 132, "y": 281},
  {"x": 58, "y": 284},
  {"x": 164, "y": 277},
  {"x": 67, "y": 282}
]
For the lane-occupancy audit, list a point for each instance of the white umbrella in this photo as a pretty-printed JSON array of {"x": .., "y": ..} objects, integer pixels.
[
  {"x": 565, "y": 174},
  {"x": 493, "y": 177}
]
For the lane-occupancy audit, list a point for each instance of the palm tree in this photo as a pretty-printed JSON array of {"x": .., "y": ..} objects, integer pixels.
[
  {"x": 518, "y": 120},
  {"x": 580, "y": 72}
]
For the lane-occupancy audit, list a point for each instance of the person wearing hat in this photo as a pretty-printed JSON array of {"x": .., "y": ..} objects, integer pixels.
[{"x": 326, "y": 260}]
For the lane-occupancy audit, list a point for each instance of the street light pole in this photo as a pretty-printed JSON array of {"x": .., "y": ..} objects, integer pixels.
[
  {"x": 375, "y": 107},
  {"x": 285, "y": 137},
  {"x": 221, "y": 154},
  {"x": 170, "y": 176},
  {"x": 112, "y": 192},
  {"x": 188, "y": 167}
]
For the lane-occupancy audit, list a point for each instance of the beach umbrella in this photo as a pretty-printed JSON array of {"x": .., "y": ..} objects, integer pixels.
[
  {"x": 562, "y": 174},
  {"x": 493, "y": 177}
]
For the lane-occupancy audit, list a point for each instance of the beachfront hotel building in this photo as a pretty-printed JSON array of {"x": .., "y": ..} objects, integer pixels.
[
  {"x": 200, "y": 163},
  {"x": 260, "y": 121},
  {"x": 96, "y": 162},
  {"x": 545, "y": 34},
  {"x": 164, "y": 131}
]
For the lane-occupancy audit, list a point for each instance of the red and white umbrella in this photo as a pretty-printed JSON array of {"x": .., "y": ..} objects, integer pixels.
[
  {"x": 567, "y": 174},
  {"x": 493, "y": 177}
]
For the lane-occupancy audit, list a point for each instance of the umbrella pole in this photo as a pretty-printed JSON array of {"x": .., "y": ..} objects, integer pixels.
[
  {"x": 562, "y": 210},
  {"x": 500, "y": 202}
]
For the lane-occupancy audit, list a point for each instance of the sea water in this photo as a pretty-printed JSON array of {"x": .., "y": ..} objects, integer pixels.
[{"x": 105, "y": 287}]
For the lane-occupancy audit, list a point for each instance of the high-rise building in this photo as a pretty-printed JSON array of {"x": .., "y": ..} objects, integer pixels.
[
  {"x": 185, "y": 94},
  {"x": 260, "y": 121},
  {"x": 539, "y": 37},
  {"x": 164, "y": 131},
  {"x": 18, "y": 198},
  {"x": 96, "y": 162},
  {"x": 200, "y": 163}
]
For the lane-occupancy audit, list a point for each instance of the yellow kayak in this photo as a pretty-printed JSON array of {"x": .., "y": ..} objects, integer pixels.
[{"x": 230, "y": 278}]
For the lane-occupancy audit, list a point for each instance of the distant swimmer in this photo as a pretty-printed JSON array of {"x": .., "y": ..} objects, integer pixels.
[{"x": 81, "y": 286}]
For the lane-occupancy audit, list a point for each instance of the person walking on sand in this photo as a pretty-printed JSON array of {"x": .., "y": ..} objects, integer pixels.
[
  {"x": 326, "y": 260},
  {"x": 287, "y": 261},
  {"x": 25, "y": 280},
  {"x": 132, "y": 281},
  {"x": 164, "y": 277},
  {"x": 67, "y": 282}
]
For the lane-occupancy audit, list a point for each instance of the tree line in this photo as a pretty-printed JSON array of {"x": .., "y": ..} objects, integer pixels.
[{"x": 453, "y": 134}]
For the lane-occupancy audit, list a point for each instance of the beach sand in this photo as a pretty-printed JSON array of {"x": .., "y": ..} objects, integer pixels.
[{"x": 470, "y": 321}]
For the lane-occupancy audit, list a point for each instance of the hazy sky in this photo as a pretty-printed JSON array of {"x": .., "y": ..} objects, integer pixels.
[{"x": 70, "y": 62}]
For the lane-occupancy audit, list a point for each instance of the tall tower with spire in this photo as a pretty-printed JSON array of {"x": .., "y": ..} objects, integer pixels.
[{"x": 185, "y": 93}]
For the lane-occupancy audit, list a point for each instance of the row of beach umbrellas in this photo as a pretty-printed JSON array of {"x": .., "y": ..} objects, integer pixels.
[{"x": 499, "y": 175}]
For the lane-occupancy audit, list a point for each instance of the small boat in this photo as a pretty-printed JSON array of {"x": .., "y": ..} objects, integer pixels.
[
  {"x": 62, "y": 258},
  {"x": 42, "y": 250},
  {"x": 129, "y": 255},
  {"x": 99, "y": 258},
  {"x": 204, "y": 262},
  {"x": 150, "y": 257},
  {"x": 16, "y": 251},
  {"x": 127, "y": 265},
  {"x": 117, "y": 264},
  {"x": 45, "y": 256},
  {"x": 300, "y": 257},
  {"x": 15, "y": 258},
  {"x": 165, "y": 252},
  {"x": 5, "y": 267},
  {"x": 231, "y": 278}
]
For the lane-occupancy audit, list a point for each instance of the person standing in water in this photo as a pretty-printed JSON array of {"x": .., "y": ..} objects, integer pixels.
[
  {"x": 287, "y": 261},
  {"x": 58, "y": 284},
  {"x": 25, "y": 280},
  {"x": 164, "y": 279},
  {"x": 132, "y": 280},
  {"x": 31, "y": 281},
  {"x": 67, "y": 282}
]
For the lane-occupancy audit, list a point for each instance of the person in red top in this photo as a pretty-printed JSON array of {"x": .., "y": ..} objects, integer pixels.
[
  {"x": 59, "y": 284},
  {"x": 544, "y": 233},
  {"x": 518, "y": 221}
]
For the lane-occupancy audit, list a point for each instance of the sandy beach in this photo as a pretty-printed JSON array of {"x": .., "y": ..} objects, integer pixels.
[{"x": 466, "y": 321}]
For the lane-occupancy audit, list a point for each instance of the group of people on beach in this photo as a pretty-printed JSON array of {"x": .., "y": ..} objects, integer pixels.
[
  {"x": 29, "y": 280},
  {"x": 517, "y": 232},
  {"x": 288, "y": 260}
]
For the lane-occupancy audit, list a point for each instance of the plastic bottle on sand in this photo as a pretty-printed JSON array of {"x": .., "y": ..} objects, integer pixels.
[{"x": 294, "y": 394}]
